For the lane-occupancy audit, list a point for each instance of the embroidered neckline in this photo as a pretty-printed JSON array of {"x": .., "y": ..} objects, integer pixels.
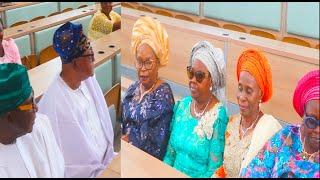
[{"x": 205, "y": 124}]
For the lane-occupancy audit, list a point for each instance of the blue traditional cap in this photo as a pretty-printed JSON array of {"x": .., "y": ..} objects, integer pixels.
[
  {"x": 15, "y": 87},
  {"x": 70, "y": 42}
]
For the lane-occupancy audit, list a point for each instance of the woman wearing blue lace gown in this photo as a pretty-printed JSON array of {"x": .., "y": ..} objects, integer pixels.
[
  {"x": 196, "y": 142},
  {"x": 147, "y": 107}
]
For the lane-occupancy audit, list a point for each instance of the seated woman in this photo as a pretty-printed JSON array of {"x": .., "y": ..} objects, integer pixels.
[
  {"x": 197, "y": 132},
  {"x": 248, "y": 131},
  {"x": 9, "y": 52},
  {"x": 147, "y": 107},
  {"x": 294, "y": 151},
  {"x": 104, "y": 21}
]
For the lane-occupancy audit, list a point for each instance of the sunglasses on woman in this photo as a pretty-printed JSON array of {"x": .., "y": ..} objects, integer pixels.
[
  {"x": 311, "y": 122},
  {"x": 198, "y": 74}
]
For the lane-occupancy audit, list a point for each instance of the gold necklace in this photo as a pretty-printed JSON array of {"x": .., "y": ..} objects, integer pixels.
[{"x": 146, "y": 92}]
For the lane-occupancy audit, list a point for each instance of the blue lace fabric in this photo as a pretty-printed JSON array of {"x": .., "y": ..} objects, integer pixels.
[{"x": 147, "y": 122}]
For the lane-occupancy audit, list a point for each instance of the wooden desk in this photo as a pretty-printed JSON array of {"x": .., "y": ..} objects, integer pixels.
[
  {"x": 43, "y": 75},
  {"x": 183, "y": 35},
  {"x": 17, "y": 5},
  {"x": 137, "y": 163},
  {"x": 114, "y": 168},
  {"x": 31, "y": 27}
]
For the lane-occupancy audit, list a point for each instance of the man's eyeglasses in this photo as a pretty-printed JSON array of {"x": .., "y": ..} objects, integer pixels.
[
  {"x": 198, "y": 74},
  {"x": 147, "y": 64},
  {"x": 311, "y": 122},
  {"x": 89, "y": 55},
  {"x": 28, "y": 107}
]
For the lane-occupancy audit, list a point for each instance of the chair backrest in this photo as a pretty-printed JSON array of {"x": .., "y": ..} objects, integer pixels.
[
  {"x": 113, "y": 117},
  {"x": 18, "y": 23},
  {"x": 163, "y": 13},
  {"x": 234, "y": 28},
  {"x": 67, "y": 9},
  {"x": 263, "y": 34},
  {"x": 143, "y": 8},
  {"x": 82, "y": 6},
  {"x": 37, "y": 18},
  {"x": 184, "y": 17},
  {"x": 113, "y": 97},
  {"x": 53, "y": 14},
  {"x": 127, "y": 5},
  {"x": 208, "y": 22},
  {"x": 29, "y": 61},
  {"x": 47, "y": 54},
  {"x": 296, "y": 41}
]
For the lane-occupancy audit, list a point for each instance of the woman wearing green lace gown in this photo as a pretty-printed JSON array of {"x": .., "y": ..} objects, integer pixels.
[{"x": 196, "y": 142}]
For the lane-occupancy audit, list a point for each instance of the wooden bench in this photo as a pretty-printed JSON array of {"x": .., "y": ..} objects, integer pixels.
[
  {"x": 137, "y": 163},
  {"x": 15, "y": 5},
  {"x": 183, "y": 35},
  {"x": 31, "y": 27}
]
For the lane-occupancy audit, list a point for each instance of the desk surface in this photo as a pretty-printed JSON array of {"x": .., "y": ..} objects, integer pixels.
[
  {"x": 48, "y": 22},
  {"x": 17, "y": 5},
  {"x": 137, "y": 163},
  {"x": 42, "y": 75},
  {"x": 114, "y": 168}
]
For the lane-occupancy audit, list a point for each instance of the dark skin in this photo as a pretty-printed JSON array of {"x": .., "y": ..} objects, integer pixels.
[
  {"x": 78, "y": 70},
  {"x": 200, "y": 92},
  {"x": 106, "y": 8},
  {"x": 1, "y": 38},
  {"x": 311, "y": 136},
  {"x": 16, "y": 123},
  {"x": 248, "y": 96},
  {"x": 147, "y": 77}
]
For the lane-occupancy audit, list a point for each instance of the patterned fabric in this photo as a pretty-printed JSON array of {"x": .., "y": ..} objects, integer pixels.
[
  {"x": 11, "y": 52},
  {"x": 15, "y": 87},
  {"x": 213, "y": 59},
  {"x": 308, "y": 88},
  {"x": 70, "y": 42},
  {"x": 101, "y": 25},
  {"x": 281, "y": 157},
  {"x": 190, "y": 153},
  {"x": 150, "y": 31},
  {"x": 147, "y": 123},
  {"x": 238, "y": 153},
  {"x": 254, "y": 62},
  {"x": 235, "y": 148}
]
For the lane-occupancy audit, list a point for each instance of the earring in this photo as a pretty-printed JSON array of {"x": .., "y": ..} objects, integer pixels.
[
  {"x": 260, "y": 104},
  {"x": 210, "y": 88}
]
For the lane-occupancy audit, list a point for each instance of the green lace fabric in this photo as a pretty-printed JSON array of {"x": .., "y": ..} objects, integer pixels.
[{"x": 191, "y": 152}]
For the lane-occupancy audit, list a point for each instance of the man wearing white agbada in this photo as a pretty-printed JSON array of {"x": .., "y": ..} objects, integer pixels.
[
  {"x": 76, "y": 107},
  {"x": 27, "y": 144}
]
